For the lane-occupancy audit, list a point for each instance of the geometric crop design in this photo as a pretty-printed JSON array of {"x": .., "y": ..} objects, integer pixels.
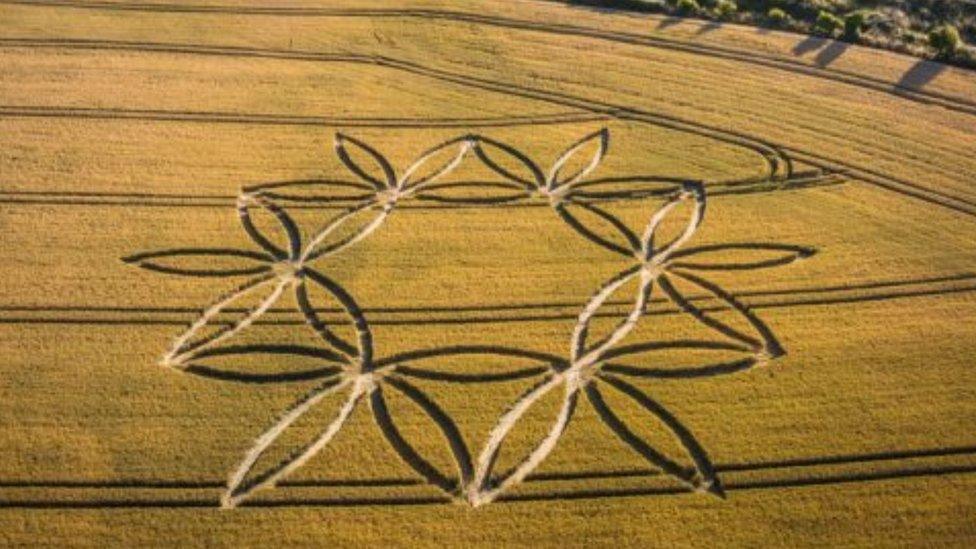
[{"x": 593, "y": 364}]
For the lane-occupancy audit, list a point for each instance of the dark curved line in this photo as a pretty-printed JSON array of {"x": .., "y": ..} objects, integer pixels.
[
  {"x": 462, "y": 456},
  {"x": 140, "y": 260},
  {"x": 709, "y": 370},
  {"x": 703, "y": 345},
  {"x": 514, "y": 153},
  {"x": 403, "y": 448},
  {"x": 708, "y": 50},
  {"x": 243, "y": 377},
  {"x": 291, "y": 230},
  {"x": 271, "y": 119},
  {"x": 795, "y": 253},
  {"x": 586, "y": 233},
  {"x": 277, "y": 349},
  {"x": 419, "y": 354},
  {"x": 497, "y": 320},
  {"x": 313, "y": 502},
  {"x": 354, "y": 167},
  {"x": 486, "y": 377},
  {"x": 321, "y": 328},
  {"x": 685, "y": 305},
  {"x": 769, "y": 339},
  {"x": 613, "y": 220},
  {"x": 768, "y": 151},
  {"x": 695, "y": 450},
  {"x": 620, "y": 429}
]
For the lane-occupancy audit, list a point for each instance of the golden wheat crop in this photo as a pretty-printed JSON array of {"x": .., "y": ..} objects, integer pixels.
[{"x": 450, "y": 273}]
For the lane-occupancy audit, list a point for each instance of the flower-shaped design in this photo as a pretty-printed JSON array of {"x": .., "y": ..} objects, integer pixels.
[{"x": 592, "y": 365}]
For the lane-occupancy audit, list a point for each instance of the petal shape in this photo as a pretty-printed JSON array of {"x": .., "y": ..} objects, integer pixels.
[
  {"x": 532, "y": 364},
  {"x": 660, "y": 253},
  {"x": 436, "y": 162},
  {"x": 292, "y": 247},
  {"x": 484, "y": 488},
  {"x": 264, "y": 290},
  {"x": 782, "y": 254},
  {"x": 579, "y": 159},
  {"x": 510, "y": 163},
  {"x": 701, "y": 477},
  {"x": 625, "y": 188},
  {"x": 239, "y": 487},
  {"x": 760, "y": 338},
  {"x": 473, "y": 192},
  {"x": 585, "y": 355},
  {"x": 721, "y": 358},
  {"x": 291, "y": 363},
  {"x": 344, "y": 230},
  {"x": 599, "y": 226},
  {"x": 360, "y": 352},
  {"x": 203, "y": 261},
  {"x": 380, "y": 175},
  {"x": 314, "y": 191},
  {"x": 408, "y": 452}
]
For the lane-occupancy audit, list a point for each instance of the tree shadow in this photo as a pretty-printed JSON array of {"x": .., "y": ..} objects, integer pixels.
[
  {"x": 669, "y": 21},
  {"x": 830, "y": 54},
  {"x": 809, "y": 44},
  {"x": 709, "y": 27},
  {"x": 920, "y": 75}
]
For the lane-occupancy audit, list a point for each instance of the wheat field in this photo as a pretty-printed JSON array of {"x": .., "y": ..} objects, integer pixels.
[{"x": 453, "y": 273}]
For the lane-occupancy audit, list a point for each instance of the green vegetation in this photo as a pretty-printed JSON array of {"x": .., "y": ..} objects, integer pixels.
[
  {"x": 726, "y": 9},
  {"x": 907, "y": 26},
  {"x": 945, "y": 39},
  {"x": 777, "y": 17},
  {"x": 854, "y": 25},
  {"x": 688, "y": 7},
  {"x": 827, "y": 24}
]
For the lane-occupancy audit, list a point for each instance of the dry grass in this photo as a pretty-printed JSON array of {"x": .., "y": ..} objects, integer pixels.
[{"x": 128, "y": 131}]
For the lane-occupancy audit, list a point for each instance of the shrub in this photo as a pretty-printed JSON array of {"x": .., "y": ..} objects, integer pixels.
[
  {"x": 688, "y": 7},
  {"x": 725, "y": 9},
  {"x": 854, "y": 24},
  {"x": 777, "y": 17},
  {"x": 945, "y": 39},
  {"x": 827, "y": 24}
]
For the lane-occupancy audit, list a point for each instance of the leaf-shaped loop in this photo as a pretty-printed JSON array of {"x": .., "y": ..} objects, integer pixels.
[
  {"x": 625, "y": 188},
  {"x": 701, "y": 477},
  {"x": 784, "y": 254},
  {"x": 383, "y": 180},
  {"x": 314, "y": 191},
  {"x": 244, "y": 203},
  {"x": 763, "y": 342},
  {"x": 211, "y": 261},
  {"x": 408, "y": 452},
  {"x": 583, "y": 354},
  {"x": 729, "y": 359},
  {"x": 692, "y": 190},
  {"x": 596, "y": 225},
  {"x": 510, "y": 163},
  {"x": 362, "y": 351},
  {"x": 265, "y": 290},
  {"x": 534, "y": 363},
  {"x": 239, "y": 487},
  {"x": 233, "y": 363},
  {"x": 485, "y": 488},
  {"x": 436, "y": 162},
  {"x": 474, "y": 192},
  {"x": 598, "y": 141},
  {"x": 344, "y": 230}
]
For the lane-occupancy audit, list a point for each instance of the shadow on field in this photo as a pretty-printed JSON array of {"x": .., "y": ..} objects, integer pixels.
[
  {"x": 829, "y": 50},
  {"x": 920, "y": 75}
]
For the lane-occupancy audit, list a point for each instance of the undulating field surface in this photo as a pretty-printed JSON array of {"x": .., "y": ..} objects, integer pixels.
[{"x": 657, "y": 282}]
